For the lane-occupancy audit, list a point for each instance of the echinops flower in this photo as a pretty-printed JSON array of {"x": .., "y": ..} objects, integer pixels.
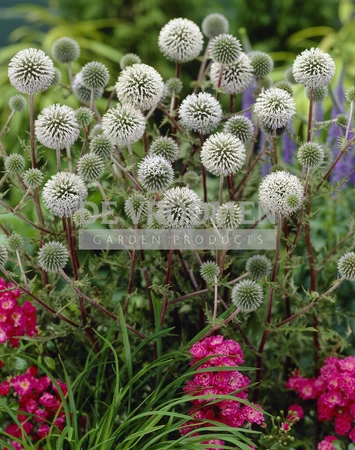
[
  {"x": 84, "y": 116},
  {"x": 95, "y": 75},
  {"x": 101, "y": 146},
  {"x": 17, "y": 103},
  {"x": 200, "y": 112},
  {"x": 319, "y": 94},
  {"x": 155, "y": 174},
  {"x": 310, "y": 154},
  {"x": 350, "y": 94},
  {"x": 274, "y": 108},
  {"x": 33, "y": 178},
  {"x": 136, "y": 207},
  {"x": 241, "y": 127},
  {"x": 191, "y": 179},
  {"x": 346, "y": 266},
  {"x": 83, "y": 93},
  {"x": 3, "y": 255},
  {"x": 173, "y": 86},
  {"x": 225, "y": 49},
  {"x": 165, "y": 147},
  {"x": 214, "y": 24},
  {"x": 313, "y": 68},
  {"x": 262, "y": 63},
  {"x": 129, "y": 59},
  {"x": 209, "y": 271},
  {"x": 14, "y": 163},
  {"x": 90, "y": 167},
  {"x": 228, "y": 216},
  {"x": 258, "y": 266},
  {"x": 65, "y": 50},
  {"x": 285, "y": 85},
  {"x": 53, "y": 256},
  {"x": 236, "y": 77},
  {"x": 180, "y": 208},
  {"x": 82, "y": 217},
  {"x": 15, "y": 242},
  {"x": 247, "y": 295}
]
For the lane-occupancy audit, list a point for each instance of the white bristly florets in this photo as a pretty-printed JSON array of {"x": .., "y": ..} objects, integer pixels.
[
  {"x": 241, "y": 127},
  {"x": 15, "y": 242},
  {"x": 3, "y": 255},
  {"x": 33, "y": 178},
  {"x": 236, "y": 77},
  {"x": 229, "y": 216},
  {"x": 180, "y": 208},
  {"x": 209, "y": 271},
  {"x": 313, "y": 68},
  {"x": 200, "y": 113},
  {"x": 82, "y": 217},
  {"x": 310, "y": 154},
  {"x": 262, "y": 63},
  {"x": 346, "y": 266},
  {"x": 258, "y": 266},
  {"x": 84, "y": 116},
  {"x": 225, "y": 49},
  {"x": 83, "y": 93},
  {"x": 95, "y": 75},
  {"x": 17, "y": 103},
  {"x": 129, "y": 59},
  {"x": 214, "y": 24},
  {"x": 165, "y": 147},
  {"x": 247, "y": 295},
  {"x": 155, "y": 174},
  {"x": 15, "y": 163},
  {"x": 101, "y": 146},
  {"x": 90, "y": 167},
  {"x": 136, "y": 207},
  {"x": 53, "y": 256},
  {"x": 65, "y": 50},
  {"x": 274, "y": 108}
]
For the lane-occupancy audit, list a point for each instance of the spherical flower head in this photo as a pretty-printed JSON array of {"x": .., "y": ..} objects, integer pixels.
[
  {"x": 258, "y": 266},
  {"x": 17, "y": 103},
  {"x": 155, "y": 173},
  {"x": 285, "y": 85},
  {"x": 33, "y": 178},
  {"x": 247, "y": 295},
  {"x": 57, "y": 77},
  {"x": 350, "y": 94},
  {"x": 14, "y": 163},
  {"x": 346, "y": 266},
  {"x": 209, "y": 271},
  {"x": 277, "y": 189},
  {"x": 289, "y": 76},
  {"x": 191, "y": 179},
  {"x": 84, "y": 116},
  {"x": 262, "y": 63},
  {"x": 180, "y": 40},
  {"x": 31, "y": 71},
  {"x": 313, "y": 68},
  {"x": 64, "y": 193},
  {"x": 65, "y": 50},
  {"x": 123, "y": 125},
  {"x": 53, "y": 256},
  {"x": 129, "y": 59},
  {"x": 274, "y": 108},
  {"x": 83, "y": 93},
  {"x": 165, "y": 147},
  {"x": 173, "y": 86},
  {"x": 136, "y": 207},
  {"x": 214, "y": 24},
  {"x": 101, "y": 146},
  {"x": 140, "y": 85},
  {"x": 223, "y": 154},
  {"x": 180, "y": 208},
  {"x": 200, "y": 113},
  {"x": 319, "y": 94},
  {"x": 95, "y": 75},
  {"x": 228, "y": 216},
  {"x": 236, "y": 77},
  {"x": 90, "y": 167},
  {"x": 241, "y": 127},
  {"x": 310, "y": 154},
  {"x": 3, "y": 255},
  {"x": 225, "y": 49},
  {"x": 14, "y": 242},
  {"x": 82, "y": 217}
]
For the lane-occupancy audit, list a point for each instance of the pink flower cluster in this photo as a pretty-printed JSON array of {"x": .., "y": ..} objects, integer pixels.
[
  {"x": 15, "y": 320},
  {"x": 221, "y": 353},
  {"x": 40, "y": 405},
  {"x": 334, "y": 390}
]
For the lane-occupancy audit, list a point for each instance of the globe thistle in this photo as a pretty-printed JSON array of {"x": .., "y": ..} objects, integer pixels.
[
  {"x": 129, "y": 59},
  {"x": 225, "y": 49},
  {"x": 53, "y": 257},
  {"x": 262, "y": 63},
  {"x": 90, "y": 167},
  {"x": 191, "y": 179},
  {"x": 228, "y": 216},
  {"x": 84, "y": 116},
  {"x": 274, "y": 108},
  {"x": 313, "y": 68},
  {"x": 319, "y": 94},
  {"x": 214, "y": 24},
  {"x": 65, "y": 50},
  {"x": 247, "y": 296},
  {"x": 14, "y": 163},
  {"x": 123, "y": 125},
  {"x": 180, "y": 208},
  {"x": 83, "y": 93},
  {"x": 180, "y": 40},
  {"x": 101, "y": 146},
  {"x": 155, "y": 174},
  {"x": 241, "y": 127},
  {"x": 95, "y": 75},
  {"x": 31, "y": 71},
  {"x": 64, "y": 193},
  {"x": 15, "y": 242},
  {"x": 57, "y": 77},
  {"x": 281, "y": 193},
  {"x": 17, "y": 103},
  {"x": 285, "y": 85},
  {"x": 136, "y": 207},
  {"x": 165, "y": 147},
  {"x": 57, "y": 127},
  {"x": 173, "y": 86},
  {"x": 209, "y": 271},
  {"x": 82, "y": 217},
  {"x": 266, "y": 83},
  {"x": 289, "y": 76},
  {"x": 200, "y": 113},
  {"x": 346, "y": 266},
  {"x": 258, "y": 266},
  {"x": 223, "y": 154},
  {"x": 269, "y": 130},
  {"x": 310, "y": 154},
  {"x": 3, "y": 255},
  {"x": 140, "y": 85},
  {"x": 236, "y": 77},
  {"x": 350, "y": 94},
  {"x": 96, "y": 130},
  {"x": 33, "y": 178}
]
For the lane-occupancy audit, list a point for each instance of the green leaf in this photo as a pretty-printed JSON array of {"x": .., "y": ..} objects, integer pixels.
[
  {"x": 50, "y": 363},
  {"x": 338, "y": 445},
  {"x": 19, "y": 364}
]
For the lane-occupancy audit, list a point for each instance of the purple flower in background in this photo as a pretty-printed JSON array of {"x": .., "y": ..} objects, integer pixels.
[
  {"x": 288, "y": 146},
  {"x": 248, "y": 100}
]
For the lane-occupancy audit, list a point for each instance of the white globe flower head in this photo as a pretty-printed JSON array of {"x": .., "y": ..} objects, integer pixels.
[
  {"x": 223, "y": 154},
  {"x": 281, "y": 193},
  {"x": 214, "y": 24},
  {"x": 95, "y": 75},
  {"x": 275, "y": 108},
  {"x": 123, "y": 125},
  {"x": 83, "y": 93},
  {"x": 180, "y": 208},
  {"x": 155, "y": 173},
  {"x": 166, "y": 147},
  {"x": 57, "y": 127},
  {"x": 240, "y": 126},
  {"x": 201, "y": 113},
  {"x": 313, "y": 68},
  {"x": 236, "y": 77},
  {"x": 65, "y": 50},
  {"x": 225, "y": 49},
  {"x": 229, "y": 216},
  {"x": 31, "y": 71},
  {"x": 140, "y": 85},
  {"x": 180, "y": 40},
  {"x": 346, "y": 266},
  {"x": 247, "y": 295}
]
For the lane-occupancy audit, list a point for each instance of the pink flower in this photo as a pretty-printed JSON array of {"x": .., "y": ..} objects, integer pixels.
[
  {"x": 4, "y": 388},
  {"x": 47, "y": 400},
  {"x": 348, "y": 364},
  {"x": 28, "y": 308},
  {"x": 342, "y": 423},
  {"x": 253, "y": 415},
  {"x": 23, "y": 384},
  {"x": 204, "y": 379},
  {"x": 307, "y": 389},
  {"x": 214, "y": 442},
  {"x": 352, "y": 435},
  {"x": 285, "y": 427},
  {"x": 326, "y": 444},
  {"x": 43, "y": 431},
  {"x": 295, "y": 412},
  {"x": 198, "y": 350}
]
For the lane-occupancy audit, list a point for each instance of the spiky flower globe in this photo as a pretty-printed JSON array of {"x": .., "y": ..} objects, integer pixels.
[
  {"x": 313, "y": 68},
  {"x": 140, "y": 85},
  {"x": 180, "y": 40},
  {"x": 136, "y": 207},
  {"x": 289, "y": 76},
  {"x": 274, "y": 108},
  {"x": 57, "y": 77},
  {"x": 84, "y": 116},
  {"x": 241, "y": 127},
  {"x": 17, "y": 103},
  {"x": 350, "y": 94},
  {"x": 82, "y": 217},
  {"x": 262, "y": 63},
  {"x": 90, "y": 167},
  {"x": 258, "y": 266},
  {"x": 3, "y": 255},
  {"x": 200, "y": 113},
  {"x": 310, "y": 154},
  {"x": 173, "y": 86},
  {"x": 53, "y": 257},
  {"x": 209, "y": 271},
  {"x": 247, "y": 296},
  {"x": 214, "y": 24},
  {"x": 101, "y": 146},
  {"x": 229, "y": 216},
  {"x": 223, "y": 154},
  {"x": 96, "y": 130},
  {"x": 155, "y": 173},
  {"x": 83, "y": 93},
  {"x": 180, "y": 208},
  {"x": 15, "y": 242},
  {"x": 319, "y": 94},
  {"x": 225, "y": 49},
  {"x": 57, "y": 127},
  {"x": 65, "y": 50},
  {"x": 285, "y": 85},
  {"x": 236, "y": 77},
  {"x": 129, "y": 59},
  {"x": 31, "y": 71},
  {"x": 346, "y": 266},
  {"x": 14, "y": 163},
  {"x": 64, "y": 193},
  {"x": 123, "y": 125},
  {"x": 33, "y": 178},
  {"x": 95, "y": 75},
  {"x": 281, "y": 193},
  {"x": 191, "y": 179},
  {"x": 165, "y": 147}
]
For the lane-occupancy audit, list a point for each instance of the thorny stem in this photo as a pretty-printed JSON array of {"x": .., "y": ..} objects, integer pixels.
[
  {"x": 215, "y": 303},
  {"x": 340, "y": 243},
  {"x": 70, "y": 74},
  {"x": 22, "y": 200},
  {"x": 220, "y": 325},
  {"x": 7, "y": 123},
  {"x": 125, "y": 172},
  {"x": 69, "y": 158},
  {"x": 18, "y": 256},
  {"x": 8, "y": 208}
]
